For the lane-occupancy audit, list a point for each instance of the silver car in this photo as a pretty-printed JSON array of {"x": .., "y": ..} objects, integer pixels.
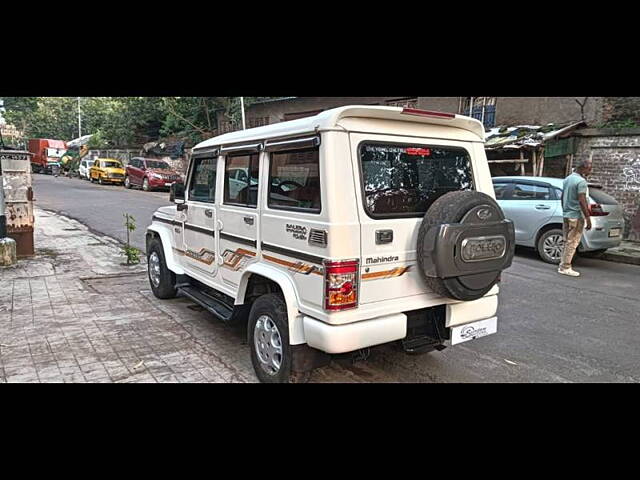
[{"x": 534, "y": 206}]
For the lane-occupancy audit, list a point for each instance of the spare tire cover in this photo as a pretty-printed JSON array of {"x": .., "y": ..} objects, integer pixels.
[{"x": 473, "y": 209}]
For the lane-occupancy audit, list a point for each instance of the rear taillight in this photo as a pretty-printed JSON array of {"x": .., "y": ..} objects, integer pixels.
[
  {"x": 595, "y": 210},
  {"x": 427, "y": 113},
  {"x": 341, "y": 285}
]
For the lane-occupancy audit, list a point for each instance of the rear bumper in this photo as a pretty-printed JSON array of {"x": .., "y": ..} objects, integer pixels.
[
  {"x": 354, "y": 336},
  {"x": 598, "y": 237},
  {"x": 161, "y": 183},
  {"x": 367, "y": 333}
]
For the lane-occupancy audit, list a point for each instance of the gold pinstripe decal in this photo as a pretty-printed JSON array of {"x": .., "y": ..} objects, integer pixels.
[{"x": 396, "y": 272}]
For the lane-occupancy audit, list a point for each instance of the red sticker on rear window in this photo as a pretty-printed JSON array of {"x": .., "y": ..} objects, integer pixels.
[{"x": 423, "y": 152}]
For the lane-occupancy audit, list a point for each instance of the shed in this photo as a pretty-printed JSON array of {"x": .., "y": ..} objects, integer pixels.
[{"x": 520, "y": 145}]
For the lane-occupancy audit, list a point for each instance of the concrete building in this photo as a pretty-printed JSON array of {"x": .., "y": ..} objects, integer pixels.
[{"x": 492, "y": 111}]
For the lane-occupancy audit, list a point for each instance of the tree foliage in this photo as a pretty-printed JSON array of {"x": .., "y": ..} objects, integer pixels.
[{"x": 123, "y": 121}]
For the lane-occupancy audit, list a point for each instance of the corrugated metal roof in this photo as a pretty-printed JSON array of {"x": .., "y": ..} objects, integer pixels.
[{"x": 525, "y": 136}]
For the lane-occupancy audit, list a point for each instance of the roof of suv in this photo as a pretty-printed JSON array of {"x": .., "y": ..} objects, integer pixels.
[{"x": 330, "y": 119}]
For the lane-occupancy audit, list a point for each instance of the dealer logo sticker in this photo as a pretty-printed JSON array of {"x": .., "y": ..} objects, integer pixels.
[{"x": 473, "y": 331}]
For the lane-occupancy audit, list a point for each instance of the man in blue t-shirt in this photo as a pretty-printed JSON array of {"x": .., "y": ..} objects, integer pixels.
[{"x": 575, "y": 212}]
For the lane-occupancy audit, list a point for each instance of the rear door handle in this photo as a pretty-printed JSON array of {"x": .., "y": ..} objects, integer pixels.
[
  {"x": 543, "y": 207},
  {"x": 248, "y": 220},
  {"x": 209, "y": 213}
]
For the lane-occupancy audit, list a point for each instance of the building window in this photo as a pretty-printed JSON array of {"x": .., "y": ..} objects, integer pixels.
[
  {"x": 484, "y": 109},
  {"x": 257, "y": 122},
  {"x": 409, "y": 102},
  {"x": 227, "y": 127}
]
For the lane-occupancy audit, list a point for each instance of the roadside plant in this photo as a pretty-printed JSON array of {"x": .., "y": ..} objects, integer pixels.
[{"x": 132, "y": 253}]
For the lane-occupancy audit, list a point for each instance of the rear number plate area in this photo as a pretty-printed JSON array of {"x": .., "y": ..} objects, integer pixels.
[
  {"x": 614, "y": 232},
  {"x": 471, "y": 331}
]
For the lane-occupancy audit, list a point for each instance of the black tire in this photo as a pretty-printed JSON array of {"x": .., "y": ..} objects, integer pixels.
[
  {"x": 127, "y": 182},
  {"x": 546, "y": 254},
  {"x": 92, "y": 180},
  {"x": 100, "y": 181},
  {"x": 167, "y": 286},
  {"x": 274, "y": 307},
  {"x": 453, "y": 207}
]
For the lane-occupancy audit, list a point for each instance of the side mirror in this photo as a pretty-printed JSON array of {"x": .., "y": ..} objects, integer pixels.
[{"x": 176, "y": 193}]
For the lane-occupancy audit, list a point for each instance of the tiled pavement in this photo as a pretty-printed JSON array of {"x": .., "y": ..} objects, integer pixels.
[{"x": 75, "y": 313}]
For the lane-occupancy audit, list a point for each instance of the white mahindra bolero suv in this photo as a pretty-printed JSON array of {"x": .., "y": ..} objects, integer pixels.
[{"x": 331, "y": 234}]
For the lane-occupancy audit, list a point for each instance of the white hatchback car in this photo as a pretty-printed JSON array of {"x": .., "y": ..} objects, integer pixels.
[
  {"x": 83, "y": 168},
  {"x": 357, "y": 227}
]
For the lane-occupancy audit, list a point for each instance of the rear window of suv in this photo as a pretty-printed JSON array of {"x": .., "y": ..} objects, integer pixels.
[{"x": 405, "y": 180}]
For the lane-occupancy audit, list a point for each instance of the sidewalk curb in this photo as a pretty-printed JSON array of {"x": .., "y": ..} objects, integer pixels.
[{"x": 620, "y": 258}]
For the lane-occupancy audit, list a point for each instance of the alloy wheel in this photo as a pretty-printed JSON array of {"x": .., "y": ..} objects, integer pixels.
[
  {"x": 154, "y": 269},
  {"x": 268, "y": 344},
  {"x": 553, "y": 246}
]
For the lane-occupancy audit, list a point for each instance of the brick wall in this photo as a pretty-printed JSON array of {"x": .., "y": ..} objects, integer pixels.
[{"x": 616, "y": 165}]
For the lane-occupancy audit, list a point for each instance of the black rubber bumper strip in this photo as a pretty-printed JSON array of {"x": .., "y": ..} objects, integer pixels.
[
  {"x": 165, "y": 220},
  {"x": 293, "y": 254},
  {"x": 244, "y": 241},
  {"x": 206, "y": 231}
]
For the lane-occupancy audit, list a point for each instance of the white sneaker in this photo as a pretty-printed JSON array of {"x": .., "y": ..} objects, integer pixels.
[{"x": 568, "y": 271}]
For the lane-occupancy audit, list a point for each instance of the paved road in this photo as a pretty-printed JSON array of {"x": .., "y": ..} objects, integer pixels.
[
  {"x": 100, "y": 207},
  {"x": 551, "y": 328}
]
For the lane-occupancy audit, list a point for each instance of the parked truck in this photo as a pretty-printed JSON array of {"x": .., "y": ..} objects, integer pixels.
[{"x": 46, "y": 153}]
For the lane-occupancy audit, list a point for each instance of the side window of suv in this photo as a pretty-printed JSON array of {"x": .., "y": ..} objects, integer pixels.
[
  {"x": 202, "y": 187},
  {"x": 241, "y": 180},
  {"x": 294, "y": 180},
  {"x": 523, "y": 191}
]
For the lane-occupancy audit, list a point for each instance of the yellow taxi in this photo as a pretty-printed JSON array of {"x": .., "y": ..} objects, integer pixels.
[{"x": 107, "y": 170}]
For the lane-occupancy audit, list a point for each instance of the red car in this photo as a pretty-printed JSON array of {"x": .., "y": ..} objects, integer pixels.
[{"x": 150, "y": 174}]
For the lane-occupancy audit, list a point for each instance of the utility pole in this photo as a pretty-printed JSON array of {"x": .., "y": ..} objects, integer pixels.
[
  {"x": 79, "y": 120},
  {"x": 244, "y": 127}
]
